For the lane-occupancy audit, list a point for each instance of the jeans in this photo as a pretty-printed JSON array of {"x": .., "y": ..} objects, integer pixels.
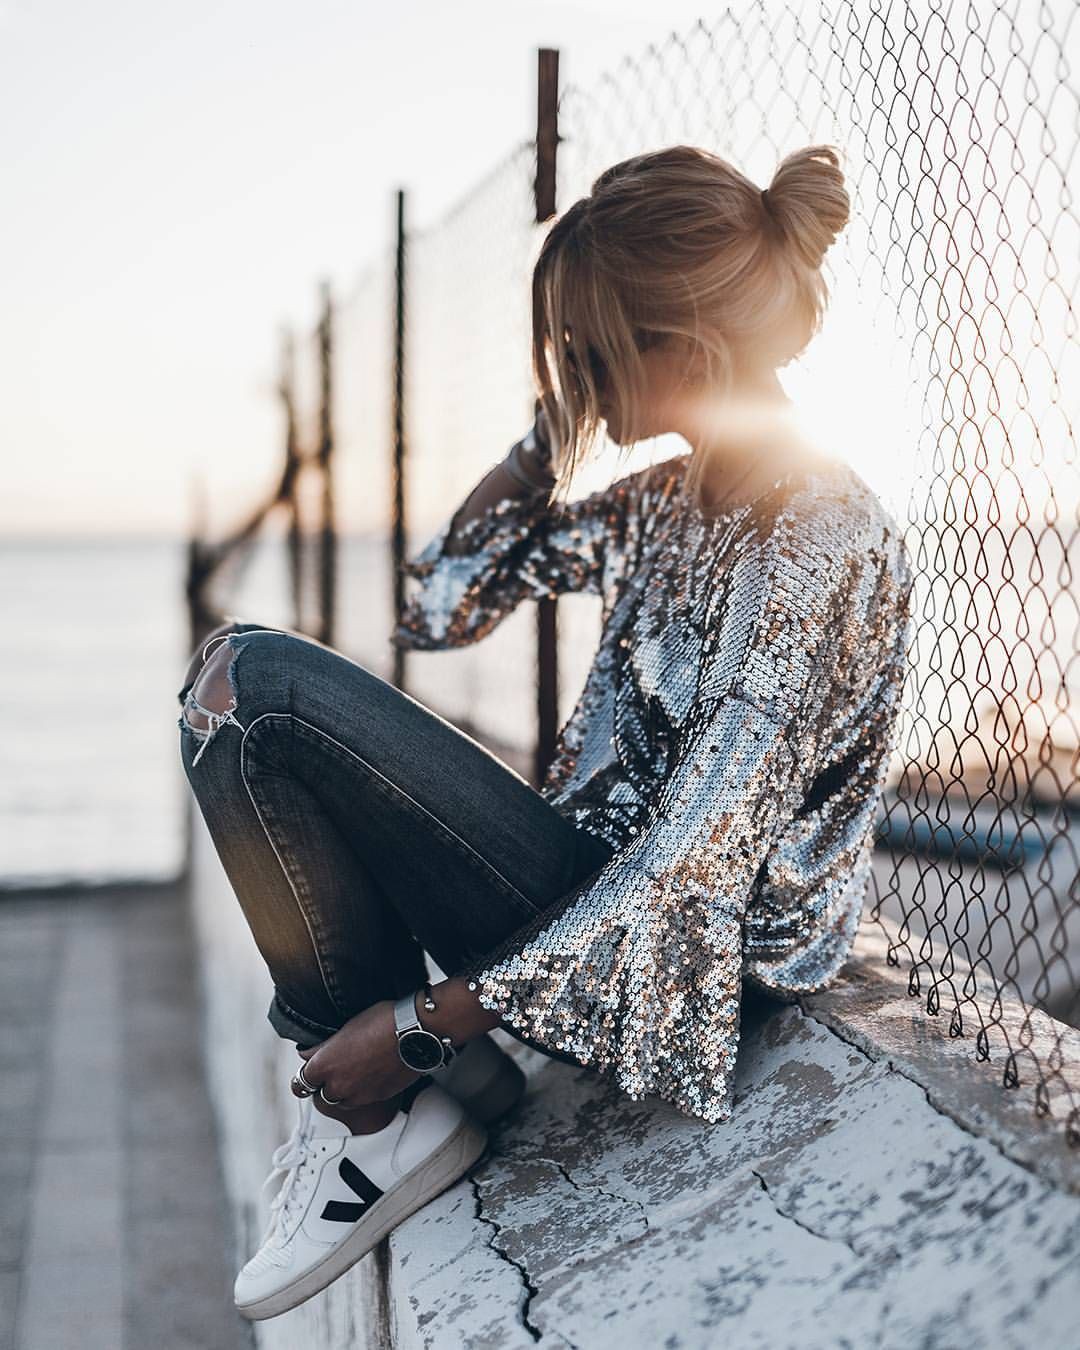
[{"x": 359, "y": 829}]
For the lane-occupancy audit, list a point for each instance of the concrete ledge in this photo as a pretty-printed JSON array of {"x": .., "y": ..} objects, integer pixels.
[
  {"x": 871, "y": 1008},
  {"x": 869, "y": 1190}
]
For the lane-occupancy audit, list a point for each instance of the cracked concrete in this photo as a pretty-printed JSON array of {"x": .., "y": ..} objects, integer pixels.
[
  {"x": 529, "y": 1287},
  {"x": 875, "y": 1187},
  {"x": 787, "y": 1214}
]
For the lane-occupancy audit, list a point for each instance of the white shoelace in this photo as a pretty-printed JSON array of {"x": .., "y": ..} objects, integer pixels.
[{"x": 288, "y": 1158}]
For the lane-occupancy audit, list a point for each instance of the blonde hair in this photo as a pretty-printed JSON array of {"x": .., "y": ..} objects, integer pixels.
[{"x": 677, "y": 242}]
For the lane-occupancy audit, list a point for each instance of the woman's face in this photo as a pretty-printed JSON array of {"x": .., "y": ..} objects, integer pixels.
[
  {"x": 677, "y": 398},
  {"x": 664, "y": 403},
  {"x": 663, "y": 398}
]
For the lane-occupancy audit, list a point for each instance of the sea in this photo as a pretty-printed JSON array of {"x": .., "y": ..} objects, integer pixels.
[{"x": 94, "y": 641}]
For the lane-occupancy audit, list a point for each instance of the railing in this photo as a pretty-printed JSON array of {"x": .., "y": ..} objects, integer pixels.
[{"x": 947, "y": 374}]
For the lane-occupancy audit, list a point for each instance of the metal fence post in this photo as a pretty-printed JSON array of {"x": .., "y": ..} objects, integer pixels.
[
  {"x": 547, "y": 638},
  {"x": 328, "y": 540},
  {"x": 291, "y": 494},
  {"x": 397, "y": 532}
]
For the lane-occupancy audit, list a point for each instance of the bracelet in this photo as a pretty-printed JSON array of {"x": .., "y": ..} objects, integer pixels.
[{"x": 430, "y": 1006}]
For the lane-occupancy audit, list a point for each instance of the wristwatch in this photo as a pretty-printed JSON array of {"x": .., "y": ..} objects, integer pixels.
[{"x": 421, "y": 1050}]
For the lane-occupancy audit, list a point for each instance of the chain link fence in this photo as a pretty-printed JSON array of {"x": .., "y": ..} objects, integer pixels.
[
  {"x": 947, "y": 374},
  {"x": 955, "y": 288}
]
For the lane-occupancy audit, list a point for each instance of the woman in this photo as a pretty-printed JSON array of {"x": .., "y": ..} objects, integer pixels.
[{"x": 708, "y": 816}]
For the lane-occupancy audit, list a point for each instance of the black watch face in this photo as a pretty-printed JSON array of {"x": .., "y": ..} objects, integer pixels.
[{"x": 420, "y": 1050}]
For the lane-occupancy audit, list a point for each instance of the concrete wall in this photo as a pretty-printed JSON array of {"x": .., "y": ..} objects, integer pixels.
[{"x": 876, "y": 1187}]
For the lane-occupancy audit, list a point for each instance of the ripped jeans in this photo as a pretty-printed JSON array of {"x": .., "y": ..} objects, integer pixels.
[{"x": 359, "y": 829}]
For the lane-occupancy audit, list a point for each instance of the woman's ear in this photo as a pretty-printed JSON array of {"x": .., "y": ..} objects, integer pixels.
[
  {"x": 684, "y": 358},
  {"x": 694, "y": 364}
]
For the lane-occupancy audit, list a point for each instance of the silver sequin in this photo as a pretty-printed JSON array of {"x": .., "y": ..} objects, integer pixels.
[{"x": 730, "y": 743}]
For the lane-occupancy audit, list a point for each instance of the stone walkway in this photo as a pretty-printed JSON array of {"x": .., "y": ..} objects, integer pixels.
[{"x": 114, "y": 1232}]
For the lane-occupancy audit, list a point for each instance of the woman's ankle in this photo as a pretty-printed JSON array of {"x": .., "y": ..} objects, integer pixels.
[{"x": 363, "y": 1119}]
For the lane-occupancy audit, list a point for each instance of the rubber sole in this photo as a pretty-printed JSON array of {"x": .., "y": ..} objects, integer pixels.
[{"x": 427, "y": 1179}]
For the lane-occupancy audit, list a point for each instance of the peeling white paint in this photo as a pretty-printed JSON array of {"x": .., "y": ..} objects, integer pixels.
[{"x": 846, "y": 1204}]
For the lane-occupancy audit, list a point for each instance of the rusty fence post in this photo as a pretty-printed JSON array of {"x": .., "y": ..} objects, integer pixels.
[
  {"x": 328, "y": 538},
  {"x": 291, "y": 494},
  {"x": 397, "y": 532},
  {"x": 547, "y": 636}
]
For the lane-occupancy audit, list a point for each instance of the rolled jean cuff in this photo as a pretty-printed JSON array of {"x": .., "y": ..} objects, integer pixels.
[{"x": 294, "y": 1027}]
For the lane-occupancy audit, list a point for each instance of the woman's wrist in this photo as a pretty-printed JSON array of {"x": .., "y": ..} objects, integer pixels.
[
  {"x": 458, "y": 1013},
  {"x": 528, "y": 460}
]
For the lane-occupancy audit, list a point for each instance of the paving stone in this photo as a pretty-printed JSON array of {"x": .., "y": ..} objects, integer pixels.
[
  {"x": 9, "y": 1304},
  {"x": 114, "y": 1232}
]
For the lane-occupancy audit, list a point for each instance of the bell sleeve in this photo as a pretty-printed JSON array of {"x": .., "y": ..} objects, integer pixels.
[
  {"x": 638, "y": 971},
  {"x": 518, "y": 548}
]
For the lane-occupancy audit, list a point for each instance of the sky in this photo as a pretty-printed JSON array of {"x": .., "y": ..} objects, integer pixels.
[{"x": 177, "y": 182}]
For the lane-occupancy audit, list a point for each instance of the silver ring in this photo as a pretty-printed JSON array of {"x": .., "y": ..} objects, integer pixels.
[
  {"x": 330, "y": 1101},
  {"x": 300, "y": 1083}
]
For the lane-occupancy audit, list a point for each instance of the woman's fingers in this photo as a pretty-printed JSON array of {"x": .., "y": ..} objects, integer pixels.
[
  {"x": 359, "y": 1064},
  {"x": 315, "y": 1074},
  {"x": 335, "y": 1082}
]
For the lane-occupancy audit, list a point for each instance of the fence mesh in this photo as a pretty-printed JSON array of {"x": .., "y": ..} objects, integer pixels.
[
  {"x": 468, "y": 396},
  {"x": 946, "y": 374}
]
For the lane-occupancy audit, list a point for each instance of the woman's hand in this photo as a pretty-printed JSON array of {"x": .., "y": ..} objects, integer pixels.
[{"x": 360, "y": 1062}]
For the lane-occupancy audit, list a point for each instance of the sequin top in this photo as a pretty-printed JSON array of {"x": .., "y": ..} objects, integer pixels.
[{"x": 731, "y": 743}]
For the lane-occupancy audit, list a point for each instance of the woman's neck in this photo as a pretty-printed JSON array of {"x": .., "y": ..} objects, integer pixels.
[{"x": 748, "y": 439}]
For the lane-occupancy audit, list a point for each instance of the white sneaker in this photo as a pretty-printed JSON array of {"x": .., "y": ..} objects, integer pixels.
[{"x": 343, "y": 1193}]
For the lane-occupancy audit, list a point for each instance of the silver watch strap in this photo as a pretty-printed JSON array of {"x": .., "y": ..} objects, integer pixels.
[{"x": 405, "y": 1018}]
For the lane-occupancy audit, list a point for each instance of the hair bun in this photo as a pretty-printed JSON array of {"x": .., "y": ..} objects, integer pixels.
[{"x": 808, "y": 200}]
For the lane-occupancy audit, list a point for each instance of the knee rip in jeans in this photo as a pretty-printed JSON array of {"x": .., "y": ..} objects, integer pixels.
[{"x": 205, "y": 709}]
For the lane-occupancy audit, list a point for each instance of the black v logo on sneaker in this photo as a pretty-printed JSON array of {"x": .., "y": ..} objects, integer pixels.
[{"x": 348, "y": 1211}]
